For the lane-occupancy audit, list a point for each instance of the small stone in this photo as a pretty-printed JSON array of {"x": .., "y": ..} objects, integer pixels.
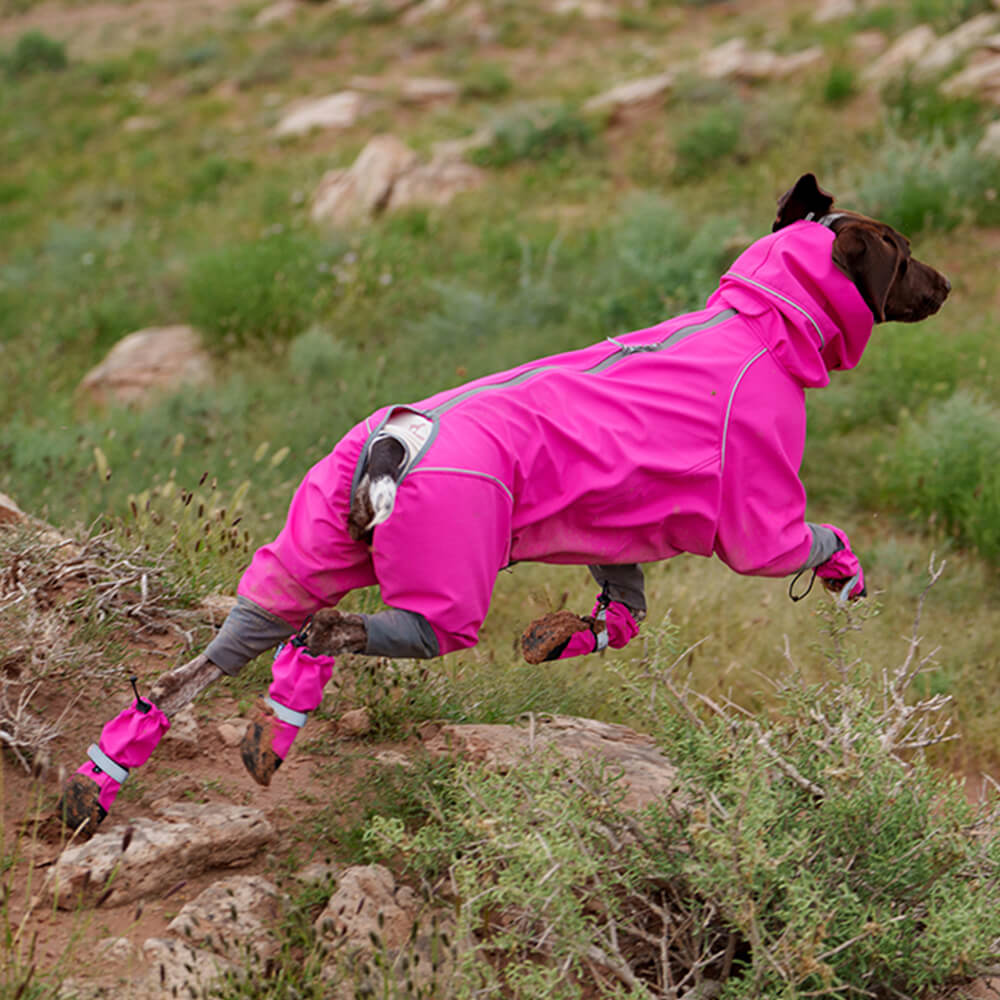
[
  {"x": 233, "y": 917},
  {"x": 337, "y": 111},
  {"x": 232, "y": 731},
  {"x": 357, "y": 722}
]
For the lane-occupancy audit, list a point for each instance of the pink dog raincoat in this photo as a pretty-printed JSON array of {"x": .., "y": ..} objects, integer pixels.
[{"x": 683, "y": 437}]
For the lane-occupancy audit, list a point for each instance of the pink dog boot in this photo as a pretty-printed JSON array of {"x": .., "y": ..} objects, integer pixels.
[
  {"x": 297, "y": 688},
  {"x": 126, "y": 741}
]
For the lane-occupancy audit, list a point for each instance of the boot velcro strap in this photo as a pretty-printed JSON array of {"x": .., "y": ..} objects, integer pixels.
[
  {"x": 289, "y": 715},
  {"x": 114, "y": 771}
]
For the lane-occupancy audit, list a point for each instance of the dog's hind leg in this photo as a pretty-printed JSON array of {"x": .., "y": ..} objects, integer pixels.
[
  {"x": 127, "y": 741},
  {"x": 304, "y": 665}
]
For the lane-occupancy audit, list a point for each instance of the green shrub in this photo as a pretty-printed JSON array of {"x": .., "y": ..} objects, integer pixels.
[
  {"x": 661, "y": 263},
  {"x": 841, "y": 84},
  {"x": 486, "y": 81},
  {"x": 539, "y": 131},
  {"x": 918, "y": 109},
  {"x": 705, "y": 143},
  {"x": 946, "y": 14},
  {"x": 930, "y": 185},
  {"x": 803, "y": 853},
  {"x": 266, "y": 290},
  {"x": 945, "y": 470},
  {"x": 35, "y": 52}
]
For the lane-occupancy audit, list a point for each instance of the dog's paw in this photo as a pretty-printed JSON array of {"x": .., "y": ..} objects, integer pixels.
[
  {"x": 331, "y": 632},
  {"x": 546, "y": 637},
  {"x": 80, "y": 808},
  {"x": 256, "y": 751}
]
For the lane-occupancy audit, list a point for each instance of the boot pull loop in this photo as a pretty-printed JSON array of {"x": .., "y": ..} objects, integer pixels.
[
  {"x": 795, "y": 580},
  {"x": 142, "y": 706}
]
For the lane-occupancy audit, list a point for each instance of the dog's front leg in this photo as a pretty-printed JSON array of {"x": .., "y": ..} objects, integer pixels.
[
  {"x": 127, "y": 742},
  {"x": 304, "y": 665},
  {"x": 177, "y": 689}
]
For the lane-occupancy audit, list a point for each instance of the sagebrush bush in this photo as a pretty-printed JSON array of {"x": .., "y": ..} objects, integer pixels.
[
  {"x": 710, "y": 140},
  {"x": 930, "y": 185},
  {"x": 945, "y": 470},
  {"x": 35, "y": 52},
  {"x": 539, "y": 131},
  {"x": 808, "y": 852},
  {"x": 918, "y": 110},
  {"x": 265, "y": 291}
]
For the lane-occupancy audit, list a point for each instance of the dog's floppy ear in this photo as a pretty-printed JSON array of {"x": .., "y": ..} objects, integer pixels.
[
  {"x": 805, "y": 198},
  {"x": 871, "y": 262}
]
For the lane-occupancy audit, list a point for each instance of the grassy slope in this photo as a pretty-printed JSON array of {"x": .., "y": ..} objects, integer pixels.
[{"x": 104, "y": 230}]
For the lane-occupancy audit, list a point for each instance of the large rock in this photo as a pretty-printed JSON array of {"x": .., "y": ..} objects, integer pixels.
[
  {"x": 336, "y": 111},
  {"x": 737, "y": 61},
  {"x": 958, "y": 43},
  {"x": 234, "y": 917},
  {"x": 370, "y": 915},
  {"x": 178, "y": 970},
  {"x": 147, "y": 363},
  {"x": 149, "y": 856},
  {"x": 905, "y": 52},
  {"x": 632, "y": 96},
  {"x": 647, "y": 775},
  {"x": 10, "y": 513},
  {"x": 363, "y": 189},
  {"x": 435, "y": 183},
  {"x": 981, "y": 78},
  {"x": 388, "y": 174},
  {"x": 425, "y": 90}
]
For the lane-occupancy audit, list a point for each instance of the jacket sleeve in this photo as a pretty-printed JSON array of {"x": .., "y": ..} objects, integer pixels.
[
  {"x": 625, "y": 583},
  {"x": 762, "y": 529}
]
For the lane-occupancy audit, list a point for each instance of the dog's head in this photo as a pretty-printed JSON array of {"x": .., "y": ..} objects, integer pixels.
[{"x": 873, "y": 255}]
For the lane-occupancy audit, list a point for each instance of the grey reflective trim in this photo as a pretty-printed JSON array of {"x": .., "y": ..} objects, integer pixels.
[
  {"x": 784, "y": 298},
  {"x": 602, "y": 641},
  {"x": 824, "y": 545},
  {"x": 247, "y": 632},
  {"x": 662, "y": 345},
  {"x": 114, "y": 771},
  {"x": 625, "y": 584},
  {"x": 729, "y": 405},
  {"x": 623, "y": 352},
  {"x": 289, "y": 715},
  {"x": 468, "y": 472},
  {"x": 398, "y": 633}
]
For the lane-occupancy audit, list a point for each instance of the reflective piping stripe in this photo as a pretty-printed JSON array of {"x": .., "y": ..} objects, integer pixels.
[
  {"x": 729, "y": 406},
  {"x": 601, "y": 638},
  {"x": 114, "y": 771},
  {"x": 624, "y": 351},
  {"x": 784, "y": 298},
  {"x": 660, "y": 345},
  {"x": 466, "y": 472},
  {"x": 848, "y": 587},
  {"x": 289, "y": 715}
]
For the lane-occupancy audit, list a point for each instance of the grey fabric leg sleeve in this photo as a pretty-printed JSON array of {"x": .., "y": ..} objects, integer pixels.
[
  {"x": 399, "y": 633},
  {"x": 625, "y": 584},
  {"x": 247, "y": 632},
  {"x": 824, "y": 544}
]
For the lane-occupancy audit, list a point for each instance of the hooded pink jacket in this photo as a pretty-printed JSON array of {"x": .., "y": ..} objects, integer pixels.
[{"x": 683, "y": 437}]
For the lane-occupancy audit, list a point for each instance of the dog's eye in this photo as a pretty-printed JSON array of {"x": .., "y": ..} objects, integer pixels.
[{"x": 903, "y": 265}]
